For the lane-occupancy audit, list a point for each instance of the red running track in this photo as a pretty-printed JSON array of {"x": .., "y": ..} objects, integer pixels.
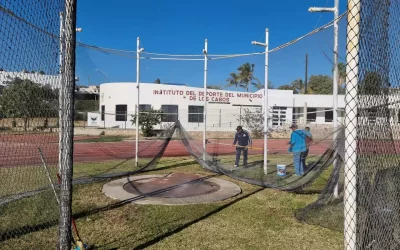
[
  {"x": 14, "y": 152},
  {"x": 22, "y": 150}
]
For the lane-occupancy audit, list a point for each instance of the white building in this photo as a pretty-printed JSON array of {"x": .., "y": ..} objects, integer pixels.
[
  {"x": 51, "y": 80},
  {"x": 92, "y": 89},
  {"x": 224, "y": 108}
]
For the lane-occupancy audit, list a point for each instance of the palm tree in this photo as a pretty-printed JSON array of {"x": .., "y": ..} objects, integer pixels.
[
  {"x": 214, "y": 87},
  {"x": 298, "y": 86},
  {"x": 233, "y": 80},
  {"x": 341, "y": 73},
  {"x": 259, "y": 85},
  {"x": 246, "y": 76},
  {"x": 157, "y": 81}
]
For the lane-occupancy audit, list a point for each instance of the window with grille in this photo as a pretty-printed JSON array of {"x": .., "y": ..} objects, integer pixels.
[
  {"x": 170, "y": 113},
  {"x": 121, "y": 112},
  {"x": 144, "y": 107},
  {"x": 311, "y": 114},
  {"x": 103, "y": 110},
  {"x": 328, "y": 115},
  {"x": 372, "y": 115},
  {"x": 196, "y": 114},
  {"x": 278, "y": 115}
]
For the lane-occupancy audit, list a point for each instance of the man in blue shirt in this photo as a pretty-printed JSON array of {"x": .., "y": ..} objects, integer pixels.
[
  {"x": 297, "y": 147},
  {"x": 243, "y": 140}
]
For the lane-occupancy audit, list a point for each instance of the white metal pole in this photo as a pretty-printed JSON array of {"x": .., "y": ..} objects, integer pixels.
[
  {"x": 350, "y": 170},
  {"x": 138, "y": 100},
  {"x": 205, "y": 51},
  {"x": 266, "y": 107},
  {"x": 335, "y": 84},
  {"x": 60, "y": 93},
  {"x": 305, "y": 114}
]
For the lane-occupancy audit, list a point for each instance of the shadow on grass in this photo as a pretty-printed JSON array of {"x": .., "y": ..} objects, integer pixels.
[
  {"x": 184, "y": 226},
  {"x": 15, "y": 233}
]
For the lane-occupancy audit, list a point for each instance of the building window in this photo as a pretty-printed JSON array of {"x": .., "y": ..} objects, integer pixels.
[
  {"x": 398, "y": 115},
  {"x": 196, "y": 114},
  {"x": 328, "y": 115},
  {"x": 144, "y": 107},
  {"x": 311, "y": 114},
  {"x": 121, "y": 112},
  {"x": 372, "y": 115},
  {"x": 170, "y": 113},
  {"x": 103, "y": 110},
  {"x": 278, "y": 115}
]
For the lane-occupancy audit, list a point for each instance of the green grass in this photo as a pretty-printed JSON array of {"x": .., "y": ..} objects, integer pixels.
[
  {"x": 104, "y": 138},
  {"x": 256, "y": 219}
]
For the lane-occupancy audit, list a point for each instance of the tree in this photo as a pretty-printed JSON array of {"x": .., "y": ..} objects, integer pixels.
[
  {"x": 254, "y": 120},
  {"x": 246, "y": 76},
  {"x": 321, "y": 84},
  {"x": 26, "y": 99},
  {"x": 233, "y": 80},
  {"x": 342, "y": 73},
  {"x": 371, "y": 84},
  {"x": 147, "y": 120},
  {"x": 214, "y": 87},
  {"x": 157, "y": 81},
  {"x": 260, "y": 86},
  {"x": 297, "y": 86},
  {"x": 286, "y": 87}
]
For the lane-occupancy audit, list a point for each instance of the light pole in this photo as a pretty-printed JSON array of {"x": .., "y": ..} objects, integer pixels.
[
  {"x": 138, "y": 51},
  {"x": 205, "y": 51},
  {"x": 266, "y": 107},
  {"x": 335, "y": 11}
]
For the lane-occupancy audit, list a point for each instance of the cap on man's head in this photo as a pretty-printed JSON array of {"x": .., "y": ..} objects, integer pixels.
[
  {"x": 294, "y": 125},
  {"x": 238, "y": 127}
]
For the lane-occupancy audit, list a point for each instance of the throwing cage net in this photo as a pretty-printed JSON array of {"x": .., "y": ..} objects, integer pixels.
[
  {"x": 30, "y": 80},
  {"x": 353, "y": 165},
  {"x": 367, "y": 181}
]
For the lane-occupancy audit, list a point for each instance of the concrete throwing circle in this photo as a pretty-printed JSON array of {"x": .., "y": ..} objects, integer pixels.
[{"x": 171, "y": 189}]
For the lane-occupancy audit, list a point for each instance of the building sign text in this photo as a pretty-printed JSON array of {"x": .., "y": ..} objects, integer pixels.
[{"x": 214, "y": 96}]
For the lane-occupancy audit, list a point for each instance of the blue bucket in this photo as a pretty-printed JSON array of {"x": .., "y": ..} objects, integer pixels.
[{"x": 281, "y": 170}]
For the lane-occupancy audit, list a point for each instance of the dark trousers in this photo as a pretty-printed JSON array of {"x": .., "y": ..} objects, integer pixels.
[
  {"x": 303, "y": 158},
  {"x": 238, "y": 153}
]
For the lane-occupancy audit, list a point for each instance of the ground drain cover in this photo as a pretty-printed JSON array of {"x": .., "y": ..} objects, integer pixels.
[{"x": 172, "y": 186}]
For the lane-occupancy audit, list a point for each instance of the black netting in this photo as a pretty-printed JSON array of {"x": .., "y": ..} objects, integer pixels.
[
  {"x": 368, "y": 186},
  {"x": 37, "y": 109},
  {"x": 29, "y": 90},
  {"x": 377, "y": 127}
]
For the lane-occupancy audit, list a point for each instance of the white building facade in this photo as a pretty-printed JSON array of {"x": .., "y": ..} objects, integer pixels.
[
  {"x": 225, "y": 109},
  {"x": 51, "y": 80}
]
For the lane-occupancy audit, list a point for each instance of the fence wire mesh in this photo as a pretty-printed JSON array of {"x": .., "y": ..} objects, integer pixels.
[
  {"x": 37, "y": 110},
  {"x": 372, "y": 161},
  {"x": 30, "y": 80},
  {"x": 367, "y": 199}
]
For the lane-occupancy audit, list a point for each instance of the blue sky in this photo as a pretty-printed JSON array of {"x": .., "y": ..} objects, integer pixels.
[{"x": 180, "y": 27}]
